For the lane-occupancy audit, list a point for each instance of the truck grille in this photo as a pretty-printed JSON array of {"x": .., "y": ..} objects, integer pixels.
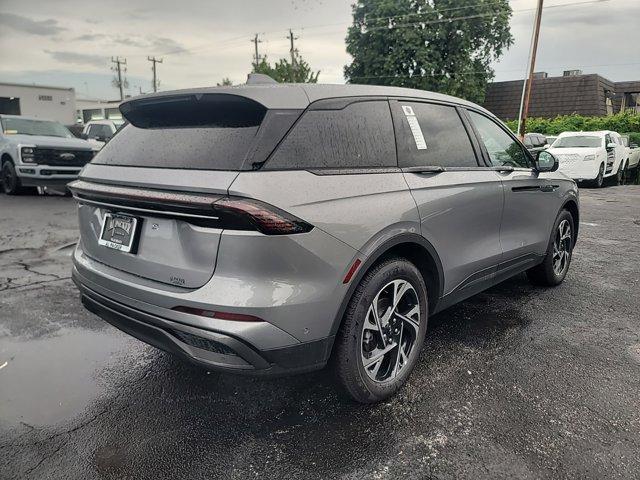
[{"x": 62, "y": 157}]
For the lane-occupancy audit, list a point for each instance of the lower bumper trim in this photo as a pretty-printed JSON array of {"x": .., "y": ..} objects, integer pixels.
[{"x": 211, "y": 350}]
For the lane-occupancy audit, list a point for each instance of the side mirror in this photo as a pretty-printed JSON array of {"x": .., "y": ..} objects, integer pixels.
[
  {"x": 84, "y": 136},
  {"x": 611, "y": 146},
  {"x": 546, "y": 162}
]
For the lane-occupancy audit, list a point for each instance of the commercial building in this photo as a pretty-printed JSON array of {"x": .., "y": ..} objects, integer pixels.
[
  {"x": 92, "y": 109},
  {"x": 571, "y": 93},
  {"x": 48, "y": 103}
]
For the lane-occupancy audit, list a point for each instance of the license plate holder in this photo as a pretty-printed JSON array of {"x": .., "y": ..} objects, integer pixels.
[{"x": 119, "y": 232}]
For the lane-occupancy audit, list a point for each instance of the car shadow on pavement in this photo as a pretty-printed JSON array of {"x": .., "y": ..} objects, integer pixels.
[
  {"x": 160, "y": 417},
  {"x": 289, "y": 424}
]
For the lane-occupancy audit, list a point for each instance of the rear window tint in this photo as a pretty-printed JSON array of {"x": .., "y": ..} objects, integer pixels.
[
  {"x": 190, "y": 148},
  {"x": 446, "y": 142},
  {"x": 206, "y": 132},
  {"x": 357, "y": 136}
]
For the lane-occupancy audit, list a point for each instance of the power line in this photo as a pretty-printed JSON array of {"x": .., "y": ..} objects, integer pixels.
[
  {"x": 479, "y": 72},
  {"x": 479, "y": 15}
]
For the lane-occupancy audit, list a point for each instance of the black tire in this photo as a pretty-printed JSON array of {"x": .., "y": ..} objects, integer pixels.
[
  {"x": 349, "y": 349},
  {"x": 545, "y": 274},
  {"x": 10, "y": 182},
  {"x": 618, "y": 178},
  {"x": 599, "y": 180}
]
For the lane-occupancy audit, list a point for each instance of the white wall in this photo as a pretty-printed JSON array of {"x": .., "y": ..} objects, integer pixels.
[{"x": 61, "y": 107}]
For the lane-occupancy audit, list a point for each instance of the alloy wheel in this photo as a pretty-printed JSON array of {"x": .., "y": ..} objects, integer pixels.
[
  {"x": 390, "y": 330},
  {"x": 562, "y": 248}
]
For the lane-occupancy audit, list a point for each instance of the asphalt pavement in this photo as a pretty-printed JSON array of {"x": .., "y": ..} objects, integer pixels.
[{"x": 518, "y": 381}]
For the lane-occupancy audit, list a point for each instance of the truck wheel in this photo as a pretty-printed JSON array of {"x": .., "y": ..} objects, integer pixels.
[
  {"x": 619, "y": 178},
  {"x": 10, "y": 181},
  {"x": 599, "y": 181}
]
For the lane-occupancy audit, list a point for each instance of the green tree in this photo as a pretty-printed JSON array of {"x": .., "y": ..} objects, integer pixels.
[
  {"x": 439, "y": 45},
  {"x": 226, "y": 82},
  {"x": 284, "y": 72}
]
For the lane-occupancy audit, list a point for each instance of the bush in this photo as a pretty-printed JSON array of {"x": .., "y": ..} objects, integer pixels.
[
  {"x": 627, "y": 121},
  {"x": 634, "y": 137}
]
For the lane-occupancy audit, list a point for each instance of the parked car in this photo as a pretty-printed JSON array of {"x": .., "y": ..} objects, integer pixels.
[
  {"x": 591, "y": 156},
  {"x": 98, "y": 132},
  {"x": 76, "y": 129},
  {"x": 633, "y": 155},
  {"x": 535, "y": 142},
  {"x": 272, "y": 229},
  {"x": 551, "y": 139},
  {"x": 37, "y": 152}
]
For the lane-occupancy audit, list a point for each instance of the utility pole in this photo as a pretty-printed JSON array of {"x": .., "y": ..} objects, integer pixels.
[
  {"x": 154, "y": 61},
  {"x": 118, "y": 69},
  {"x": 256, "y": 56},
  {"x": 526, "y": 94},
  {"x": 293, "y": 52}
]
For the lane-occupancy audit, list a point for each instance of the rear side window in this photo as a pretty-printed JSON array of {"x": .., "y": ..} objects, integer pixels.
[
  {"x": 357, "y": 136},
  {"x": 432, "y": 135},
  {"x": 206, "y": 132}
]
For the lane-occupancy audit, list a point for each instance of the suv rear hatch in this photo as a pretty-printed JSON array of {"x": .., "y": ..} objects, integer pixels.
[{"x": 147, "y": 199}]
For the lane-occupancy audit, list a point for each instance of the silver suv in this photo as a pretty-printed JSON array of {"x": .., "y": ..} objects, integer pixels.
[{"x": 271, "y": 229}]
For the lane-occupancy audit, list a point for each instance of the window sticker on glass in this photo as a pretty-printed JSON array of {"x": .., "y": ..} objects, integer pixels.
[{"x": 415, "y": 127}]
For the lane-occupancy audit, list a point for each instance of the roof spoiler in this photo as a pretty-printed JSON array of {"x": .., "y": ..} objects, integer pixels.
[{"x": 260, "y": 79}]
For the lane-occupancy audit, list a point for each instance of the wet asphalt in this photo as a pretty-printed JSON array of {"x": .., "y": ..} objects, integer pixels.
[{"x": 516, "y": 382}]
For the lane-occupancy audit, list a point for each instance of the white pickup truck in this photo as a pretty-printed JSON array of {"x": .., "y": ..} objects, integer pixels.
[{"x": 633, "y": 154}]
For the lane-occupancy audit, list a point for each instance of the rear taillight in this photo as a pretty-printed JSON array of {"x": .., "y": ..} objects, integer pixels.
[
  {"x": 207, "y": 210},
  {"x": 236, "y": 212}
]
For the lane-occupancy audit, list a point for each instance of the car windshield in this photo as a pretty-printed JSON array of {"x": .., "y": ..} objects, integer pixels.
[
  {"x": 25, "y": 126},
  {"x": 578, "y": 141}
]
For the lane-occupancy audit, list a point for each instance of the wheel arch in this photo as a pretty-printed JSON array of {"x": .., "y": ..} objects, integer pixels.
[
  {"x": 572, "y": 207},
  {"x": 6, "y": 158},
  {"x": 416, "y": 249}
]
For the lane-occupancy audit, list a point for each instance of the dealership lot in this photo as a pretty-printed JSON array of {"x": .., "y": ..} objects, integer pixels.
[{"x": 518, "y": 381}]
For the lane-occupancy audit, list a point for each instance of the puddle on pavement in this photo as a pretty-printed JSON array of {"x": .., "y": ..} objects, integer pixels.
[{"x": 51, "y": 379}]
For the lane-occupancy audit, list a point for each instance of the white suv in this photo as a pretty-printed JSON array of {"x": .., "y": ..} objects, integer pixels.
[{"x": 591, "y": 156}]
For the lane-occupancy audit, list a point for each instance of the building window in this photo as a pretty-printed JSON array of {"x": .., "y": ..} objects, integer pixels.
[
  {"x": 45, "y": 98},
  {"x": 10, "y": 105}
]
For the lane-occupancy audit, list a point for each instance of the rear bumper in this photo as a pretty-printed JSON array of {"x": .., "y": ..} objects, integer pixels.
[{"x": 213, "y": 350}]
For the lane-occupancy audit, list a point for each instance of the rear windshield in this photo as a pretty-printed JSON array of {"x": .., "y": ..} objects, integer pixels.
[
  {"x": 204, "y": 132},
  {"x": 578, "y": 141}
]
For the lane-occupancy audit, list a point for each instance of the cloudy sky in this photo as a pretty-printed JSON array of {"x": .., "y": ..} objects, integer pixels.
[{"x": 71, "y": 42}]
